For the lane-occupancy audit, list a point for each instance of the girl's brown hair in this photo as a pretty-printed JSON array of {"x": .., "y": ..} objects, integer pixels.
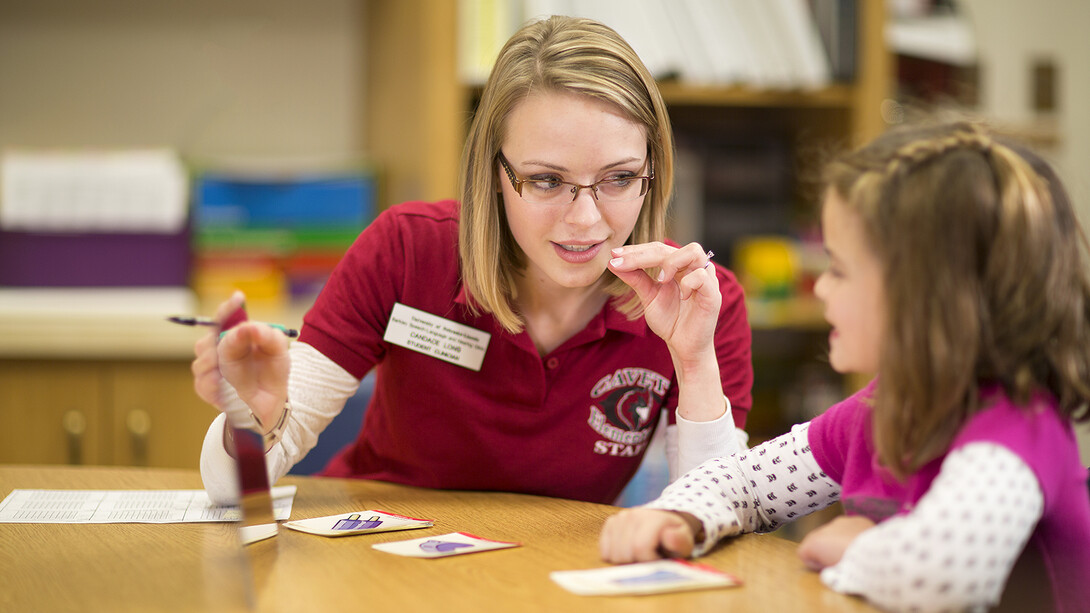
[
  {"x": 984, "y": 281},
  {"x": 556, "y": 54}
]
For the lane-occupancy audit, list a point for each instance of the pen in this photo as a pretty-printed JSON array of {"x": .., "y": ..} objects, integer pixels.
[{"x": 205, "y": 321}]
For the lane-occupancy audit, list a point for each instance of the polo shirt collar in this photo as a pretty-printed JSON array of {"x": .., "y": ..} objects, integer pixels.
[
  {"x": 616, "y": 320},
  {"x": 462, "y": 297}
]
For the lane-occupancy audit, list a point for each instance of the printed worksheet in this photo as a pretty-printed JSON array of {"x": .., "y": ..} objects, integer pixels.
[{"x": 126, "y": 506}]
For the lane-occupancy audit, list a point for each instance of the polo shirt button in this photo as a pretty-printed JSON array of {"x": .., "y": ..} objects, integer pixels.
[{"x": 552, "y": 363}]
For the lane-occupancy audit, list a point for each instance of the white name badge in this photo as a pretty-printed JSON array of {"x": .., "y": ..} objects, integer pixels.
[{"x": 437, "y": 336}]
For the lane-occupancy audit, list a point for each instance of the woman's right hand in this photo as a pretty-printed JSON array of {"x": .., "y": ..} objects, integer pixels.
[
  {"x": 642, "y": 535},
  {"x": 252, "y": 357}
]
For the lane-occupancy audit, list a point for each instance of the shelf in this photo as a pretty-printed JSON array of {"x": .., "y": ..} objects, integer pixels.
[
  {"x": 836, "y": 96},
  {"x": 794, "y": 313},
  {"x": 108, "y": 324}
]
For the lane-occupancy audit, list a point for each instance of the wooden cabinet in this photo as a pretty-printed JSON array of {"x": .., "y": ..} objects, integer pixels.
[
  {"x": 99, "y": 377},
  {"x": 52, "y": 411},
  {"x": 106, "y": 412}
]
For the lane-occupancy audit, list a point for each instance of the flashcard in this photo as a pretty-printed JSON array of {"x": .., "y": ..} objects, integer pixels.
[
  {"x": 453, "y": 544},
  {"x": 655, "y": 577},
  {"x": 357, "y": 522}
]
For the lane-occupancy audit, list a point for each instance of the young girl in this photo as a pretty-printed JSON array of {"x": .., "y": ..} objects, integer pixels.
[
  {"x": 955, "y": 275},
  {"x": 527, "y": 337}
]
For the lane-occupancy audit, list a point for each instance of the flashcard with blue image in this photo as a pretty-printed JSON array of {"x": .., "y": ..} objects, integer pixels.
[
  {"x": 453, "y": 544},
  {"x": 357, "y": 522},
  {"x": 656, "y": 577}
]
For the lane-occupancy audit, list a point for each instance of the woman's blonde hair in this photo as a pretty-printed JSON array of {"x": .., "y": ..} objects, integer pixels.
[
  {"x": 556, "y": 54},
  {"x": 984, "y": 281}
]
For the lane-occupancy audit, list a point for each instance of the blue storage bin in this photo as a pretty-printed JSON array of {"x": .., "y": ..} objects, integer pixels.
[{"x": 323, "y": 201}]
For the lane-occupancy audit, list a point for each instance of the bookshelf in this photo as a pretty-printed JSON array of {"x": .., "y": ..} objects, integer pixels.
[{"x": 418, "y": 111}]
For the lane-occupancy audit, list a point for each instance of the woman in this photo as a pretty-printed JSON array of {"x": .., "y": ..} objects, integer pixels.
[{"x": 527, "y": 338}]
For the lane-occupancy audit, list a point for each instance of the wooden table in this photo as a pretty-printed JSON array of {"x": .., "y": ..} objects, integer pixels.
[{"x": 200, "y": 567}]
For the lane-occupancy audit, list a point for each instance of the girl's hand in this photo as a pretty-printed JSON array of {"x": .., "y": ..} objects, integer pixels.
[
  {"x": 642, "y": 535},
  {"x": 252, "y": 357},
  {"x": 681, "y": 304},
  {"x": 826, "y": 545}
]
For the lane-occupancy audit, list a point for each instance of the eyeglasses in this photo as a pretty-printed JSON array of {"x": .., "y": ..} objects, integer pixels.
[{"x": 550, "y": 190}]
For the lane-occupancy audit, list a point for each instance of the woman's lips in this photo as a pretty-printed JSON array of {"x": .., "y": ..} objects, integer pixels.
[{"x": 577, "y": 254}]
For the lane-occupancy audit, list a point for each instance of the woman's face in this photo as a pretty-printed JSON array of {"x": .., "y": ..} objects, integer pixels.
[
  {"x": 554, "y": 136},
  {"x": 852, "y": 290}
]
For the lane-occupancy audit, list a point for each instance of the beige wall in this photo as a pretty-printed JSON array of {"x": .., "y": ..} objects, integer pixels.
[
  {"x": 209, "y": 77},
  {"x": 1011, "y": 34}
]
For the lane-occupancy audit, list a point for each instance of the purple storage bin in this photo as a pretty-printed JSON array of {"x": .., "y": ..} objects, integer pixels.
[{"x": 41, "y": 259}]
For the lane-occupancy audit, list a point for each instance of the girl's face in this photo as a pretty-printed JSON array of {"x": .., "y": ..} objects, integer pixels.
[
  {"x": 851, "y": 289},
  {"x": 554, "y": 136}
]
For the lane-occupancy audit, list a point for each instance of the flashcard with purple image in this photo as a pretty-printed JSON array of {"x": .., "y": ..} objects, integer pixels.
[
  {"x": 357, "y": 522},
  {"x": 453, "y": 544},
  {"x": 656, "y": 577}
]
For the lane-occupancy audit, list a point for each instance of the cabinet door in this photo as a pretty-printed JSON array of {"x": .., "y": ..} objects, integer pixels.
[
  {"x": 158, "y": 420},
  {"x": 52, "y": 412}
]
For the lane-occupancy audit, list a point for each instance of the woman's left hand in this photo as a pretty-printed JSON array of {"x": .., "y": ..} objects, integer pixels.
[{"x": 682, "y": 304}]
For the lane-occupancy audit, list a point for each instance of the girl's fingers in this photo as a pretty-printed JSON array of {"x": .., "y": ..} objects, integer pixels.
[{"x": 638, "y": 536}]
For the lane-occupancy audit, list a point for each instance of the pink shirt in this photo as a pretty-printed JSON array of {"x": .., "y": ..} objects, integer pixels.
[
  {"x": 1059, "y": 547},
  {"x": 574, "y": 423}
]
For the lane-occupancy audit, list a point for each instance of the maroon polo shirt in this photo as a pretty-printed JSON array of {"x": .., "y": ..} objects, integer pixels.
[{"x": 572, "y": 424}]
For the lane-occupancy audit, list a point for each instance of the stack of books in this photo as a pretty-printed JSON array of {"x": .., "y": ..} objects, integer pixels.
[
  {"x": 276, "y": 236},
  {"x": 762, "y": 44}
]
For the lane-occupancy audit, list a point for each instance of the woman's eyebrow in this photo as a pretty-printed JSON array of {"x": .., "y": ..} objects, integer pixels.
[{"x": 558, "y": 168}]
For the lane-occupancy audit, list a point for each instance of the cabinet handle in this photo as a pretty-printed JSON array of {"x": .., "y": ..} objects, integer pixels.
[
  {"x": 74, "y": 424},
  {"x": 139, "y": 425}
]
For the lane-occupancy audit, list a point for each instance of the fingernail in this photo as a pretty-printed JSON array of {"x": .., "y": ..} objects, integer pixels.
[
  {"x": 616, "y": 262},
  {"x": 661, "y": 277},
  {"x": 617, "y": 250}
]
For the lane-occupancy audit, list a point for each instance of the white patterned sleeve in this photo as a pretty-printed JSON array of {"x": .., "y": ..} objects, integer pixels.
[
  {"x": 955, "y": 549},
  {"x": 757, "y": 490},
  {"x": 690, "y": 443}
]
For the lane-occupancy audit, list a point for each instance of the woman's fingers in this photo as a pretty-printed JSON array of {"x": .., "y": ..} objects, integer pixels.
[
  {"x": 672, "y": 262},
  {"x": 229, "y": 306}
]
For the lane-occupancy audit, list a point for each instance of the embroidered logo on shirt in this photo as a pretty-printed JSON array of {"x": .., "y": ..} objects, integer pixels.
[{"x": 626, "y": 410}]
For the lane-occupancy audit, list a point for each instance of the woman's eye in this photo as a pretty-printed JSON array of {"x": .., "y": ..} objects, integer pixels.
[{"x": 545, "y": 184}]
